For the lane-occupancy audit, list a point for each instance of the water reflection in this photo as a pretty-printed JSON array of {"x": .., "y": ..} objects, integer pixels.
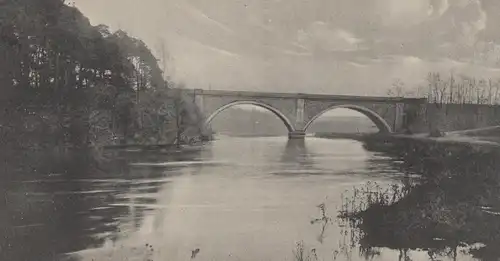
[
  {"x": 246, "y": 199},
  {"x": 295, "y": 150},
  {"x": 44, "y": 211},
  {"x": 238, "y": 194},
  {"x": 72, "y": 204},
  {"x": 295, "y": 159}
]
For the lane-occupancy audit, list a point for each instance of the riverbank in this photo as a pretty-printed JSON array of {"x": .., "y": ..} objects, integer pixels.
[
  {"x": 455, "y": 203},
  {"x": 332, "y": 135},
  {"x": 481, "y": 136},
  {"x": 380, "y": 141}
]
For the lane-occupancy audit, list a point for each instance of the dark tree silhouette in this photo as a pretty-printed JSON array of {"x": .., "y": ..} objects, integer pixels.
[{"x": 66, "y": 83}]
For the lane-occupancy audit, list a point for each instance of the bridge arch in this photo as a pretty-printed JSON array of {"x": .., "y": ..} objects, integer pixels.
[
  {"x": 381, "y": 124},
  {"x": 270, "y": 108}
]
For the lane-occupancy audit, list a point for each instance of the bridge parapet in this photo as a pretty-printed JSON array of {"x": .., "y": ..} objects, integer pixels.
[{"x": 286, "y": 95}]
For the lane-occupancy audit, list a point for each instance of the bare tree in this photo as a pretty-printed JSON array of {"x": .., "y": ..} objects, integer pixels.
[
  {"x": 437, "y": 88},
  {"x": 455, "y": 89},
  {"x": 496, "y": 96},
  {"x": 452, "y": 89},
  {"x": 461, "y": 89}
]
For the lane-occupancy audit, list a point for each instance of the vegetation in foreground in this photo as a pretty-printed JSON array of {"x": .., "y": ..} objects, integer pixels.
[{"x": 453, "y": 207}]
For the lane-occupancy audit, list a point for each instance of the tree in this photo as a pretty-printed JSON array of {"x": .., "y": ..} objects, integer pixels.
[
  {"x": 452, "y": 90},
  {"x": 397, "y": 89},
  {"x": 442, "y": 91},
  {"x": 61, "y": 78}
]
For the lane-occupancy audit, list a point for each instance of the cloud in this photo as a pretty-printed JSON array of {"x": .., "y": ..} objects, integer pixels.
[
  {"x": 214, "y": 49},
  {"x": 319, "y": 36},
  {"x": 334, "y": 46},
  {"x": 451, "y": 33},
  {"x": 438, "y": 7},
  {"x": 403, "y": 13},
  {"x": 201, "y": 16},
  {"x": 467, "y": 19}
]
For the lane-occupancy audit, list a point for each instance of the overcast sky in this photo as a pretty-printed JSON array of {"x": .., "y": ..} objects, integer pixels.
[{"x": 318, "y": 46}]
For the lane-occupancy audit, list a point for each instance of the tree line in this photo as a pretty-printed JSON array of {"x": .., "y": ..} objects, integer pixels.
[
  {"x": 452, "y": 89},
  {"x": 65, "y": 82},
  {"x": 453, "y": 95}
]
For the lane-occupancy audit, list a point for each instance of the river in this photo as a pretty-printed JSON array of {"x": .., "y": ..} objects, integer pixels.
[{"x": 232, "y": 199}]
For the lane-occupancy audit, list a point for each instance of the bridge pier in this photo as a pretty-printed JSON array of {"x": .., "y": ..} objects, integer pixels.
[{"x": 295, "y": 135}]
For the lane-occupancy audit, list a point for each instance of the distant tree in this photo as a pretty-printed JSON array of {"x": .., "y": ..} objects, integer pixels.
[
  {"x": 457, "y": 90},
  {"x": 461, "y": 89},
  {"x": 398, "y": 89}
]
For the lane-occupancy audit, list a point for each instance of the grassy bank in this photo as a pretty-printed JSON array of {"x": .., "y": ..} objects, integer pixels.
[{"x": 454, "y": 204}]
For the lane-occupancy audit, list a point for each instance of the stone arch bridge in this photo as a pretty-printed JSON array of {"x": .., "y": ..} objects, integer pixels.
[{"x": 299, "y": 110}]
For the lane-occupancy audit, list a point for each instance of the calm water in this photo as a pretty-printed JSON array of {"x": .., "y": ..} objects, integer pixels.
[{"x": 234, "y": 199}]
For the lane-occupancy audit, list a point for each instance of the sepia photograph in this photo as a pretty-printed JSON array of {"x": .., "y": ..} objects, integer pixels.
[{"x": 249, "y": 130}]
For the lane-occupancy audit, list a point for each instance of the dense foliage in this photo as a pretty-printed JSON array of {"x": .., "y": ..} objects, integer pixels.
[{"x": 65, "y": 82}]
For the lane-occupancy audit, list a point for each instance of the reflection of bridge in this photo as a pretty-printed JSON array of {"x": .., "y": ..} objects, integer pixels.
[{"x": 298, "y": 111}]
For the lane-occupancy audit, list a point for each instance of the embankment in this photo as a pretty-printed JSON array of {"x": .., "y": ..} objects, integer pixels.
[
  {"x": 333, "y": 135},
  {"x": 455, "y": 203}
]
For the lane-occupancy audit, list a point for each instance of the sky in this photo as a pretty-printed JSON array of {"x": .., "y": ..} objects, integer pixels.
[{"x": 354, "y": 47}]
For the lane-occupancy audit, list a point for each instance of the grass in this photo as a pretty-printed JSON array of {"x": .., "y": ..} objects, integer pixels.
[
  {"x": 301, "y": 253},
  {"x": 442, "y": 214},
  {"x": 372, "y": 195}
]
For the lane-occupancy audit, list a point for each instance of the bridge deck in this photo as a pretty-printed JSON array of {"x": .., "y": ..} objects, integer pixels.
[{"x": 308, "y": 96}]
